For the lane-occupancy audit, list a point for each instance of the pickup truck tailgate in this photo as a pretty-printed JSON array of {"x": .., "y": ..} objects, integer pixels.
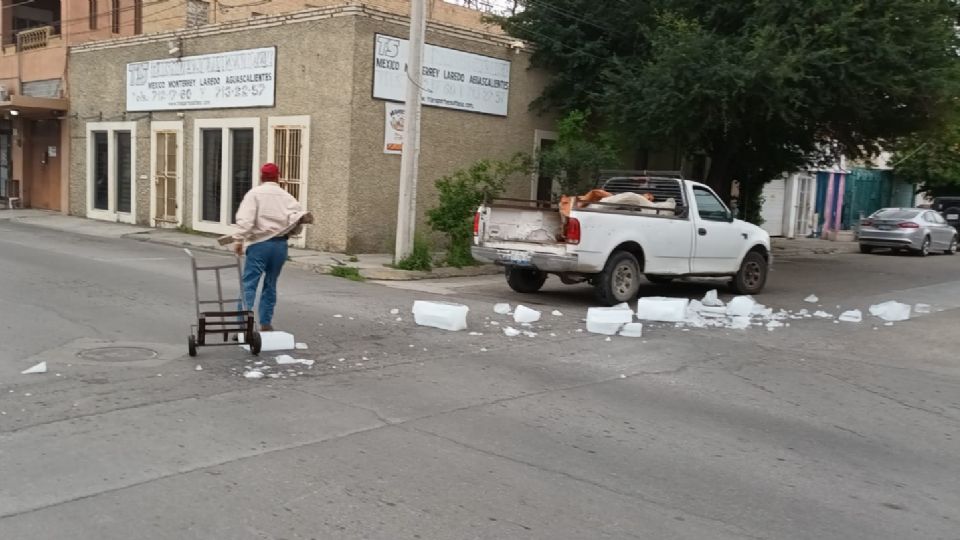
[{"x": 524, "y": 225}]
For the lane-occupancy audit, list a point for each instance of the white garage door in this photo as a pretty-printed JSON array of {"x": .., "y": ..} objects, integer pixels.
[{"x": 774, "y": 194}]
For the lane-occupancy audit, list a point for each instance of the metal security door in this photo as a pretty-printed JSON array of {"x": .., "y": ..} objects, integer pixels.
[
  {"x": 288, "y": 155},
  {"x": 165, "y": 180}
]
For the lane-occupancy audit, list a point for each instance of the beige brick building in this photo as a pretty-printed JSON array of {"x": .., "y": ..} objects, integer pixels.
[{"x": 136, "y": 159}]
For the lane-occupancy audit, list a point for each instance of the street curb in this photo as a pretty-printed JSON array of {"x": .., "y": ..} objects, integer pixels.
[{"x": 393, "y": 274}]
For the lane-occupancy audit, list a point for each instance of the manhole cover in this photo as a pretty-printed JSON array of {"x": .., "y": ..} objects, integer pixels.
[{"x": 118, "y": 354}]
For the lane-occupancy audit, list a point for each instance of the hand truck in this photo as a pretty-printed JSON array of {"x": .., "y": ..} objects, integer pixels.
[{"x": 221, "y": 322}]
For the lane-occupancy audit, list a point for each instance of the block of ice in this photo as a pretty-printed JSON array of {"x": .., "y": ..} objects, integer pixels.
[
  {"x": 822, "y": 315},
  {"x": 854, "y": 315},
  {"x": 523, "y": 314},
  {"x": 632, "y": 330},
  {"x": 658, "y": 308},
  {"x": 741, "y": 306},
  {"x": 442, "y": 315},
  {"x": 891, "y": 311},
  {"x": 39, "y": 368},
  {"x": 502, "y": 309},
  {"x": 921, "y": 308},
  {"x": 739, "y": 323},
  {"x": 607, "y": 320},
  {"x": 511, "y": 332},
  {"x": 812, "y": 299},
  {"x": 277, "y": 341},
  {"x": 253, "y": 374},
  {"x": 711, "y": 299}
]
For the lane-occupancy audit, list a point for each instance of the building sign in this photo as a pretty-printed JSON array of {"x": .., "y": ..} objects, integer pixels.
[
  {"x": 393, "y": 128},
  {"x": 210, "y": 81},
  {"x": 451, "y": 79}
]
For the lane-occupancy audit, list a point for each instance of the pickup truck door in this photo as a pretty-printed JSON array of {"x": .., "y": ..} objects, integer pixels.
[{"x": 718, "y": 239}]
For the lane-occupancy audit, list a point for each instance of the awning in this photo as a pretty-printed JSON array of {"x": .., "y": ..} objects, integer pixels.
[{"x": 35, "y": 107}]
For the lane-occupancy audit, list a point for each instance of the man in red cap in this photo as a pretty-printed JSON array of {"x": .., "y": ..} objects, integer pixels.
[{"x": 266, "y": 219}]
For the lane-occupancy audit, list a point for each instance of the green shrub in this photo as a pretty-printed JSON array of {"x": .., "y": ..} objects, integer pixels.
[
  {"x": 419, "y": 259},
  {"x": 461, "y": 193},
  {"x": 347, "y": 272}
]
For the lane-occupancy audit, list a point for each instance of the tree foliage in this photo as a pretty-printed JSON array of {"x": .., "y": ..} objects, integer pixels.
[
  {"x": 760, "y": 87},
  {"x": 577, "y": 156},
  {"x": 931, "y": 159},
  {"x": 460, "y": 195}
]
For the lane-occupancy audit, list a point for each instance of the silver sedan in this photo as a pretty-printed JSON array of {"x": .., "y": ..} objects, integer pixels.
[{"x": 916, "y": 229}]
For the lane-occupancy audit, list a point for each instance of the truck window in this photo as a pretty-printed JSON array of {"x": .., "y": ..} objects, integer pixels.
[{"x": 709, "y": 206}]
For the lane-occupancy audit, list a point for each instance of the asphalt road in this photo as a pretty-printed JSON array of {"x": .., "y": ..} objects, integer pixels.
[{"x": 818, "y": 430}]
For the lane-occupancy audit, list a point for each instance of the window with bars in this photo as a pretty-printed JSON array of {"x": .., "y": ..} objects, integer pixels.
[
  {"x": 287, "y": 149},
  {"x": 93, "y": 14}
]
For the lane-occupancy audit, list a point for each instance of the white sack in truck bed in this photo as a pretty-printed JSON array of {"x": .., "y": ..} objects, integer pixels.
[{"x": 635, "y": 199}]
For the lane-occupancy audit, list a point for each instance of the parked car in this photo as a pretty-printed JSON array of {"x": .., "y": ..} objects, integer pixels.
[
  {"x": 915, "y": 229},
  {"x": 685, "y": 230},
  {"x": 949, "y": 208}
]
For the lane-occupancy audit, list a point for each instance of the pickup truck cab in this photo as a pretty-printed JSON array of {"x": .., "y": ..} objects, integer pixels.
[{"x": 686, "y": 230}]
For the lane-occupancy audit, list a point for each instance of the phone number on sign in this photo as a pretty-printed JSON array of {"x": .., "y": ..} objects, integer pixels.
[{"x": 187, "y": 94}]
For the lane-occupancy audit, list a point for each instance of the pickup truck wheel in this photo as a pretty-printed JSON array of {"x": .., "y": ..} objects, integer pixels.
[
  {"x": 524, "y": 280},
  {"x": 620, "y": 279},
  {"x": 752, "y": 275},
  {"x": 659, "y": 280}
]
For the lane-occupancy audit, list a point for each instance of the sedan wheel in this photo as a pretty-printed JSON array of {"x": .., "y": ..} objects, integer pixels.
[
  {"x": 953, "y": 247},
  {"x": 924, "y": 248}
]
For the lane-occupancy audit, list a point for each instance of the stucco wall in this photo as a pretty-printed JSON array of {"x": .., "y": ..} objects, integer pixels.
[{"x": 324, "y": 70}]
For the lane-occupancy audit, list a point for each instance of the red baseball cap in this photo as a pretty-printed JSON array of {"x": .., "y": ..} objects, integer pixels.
[{"x": 269, "y": 171}]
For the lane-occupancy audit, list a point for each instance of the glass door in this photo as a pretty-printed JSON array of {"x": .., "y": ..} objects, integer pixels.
[{"x": 166, "y": 145}]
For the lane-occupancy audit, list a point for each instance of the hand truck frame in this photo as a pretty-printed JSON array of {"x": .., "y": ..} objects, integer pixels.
[{"x": 223, "y": 322}]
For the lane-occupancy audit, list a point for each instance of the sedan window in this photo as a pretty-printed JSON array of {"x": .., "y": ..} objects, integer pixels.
[{"x": 895, "y": 213}]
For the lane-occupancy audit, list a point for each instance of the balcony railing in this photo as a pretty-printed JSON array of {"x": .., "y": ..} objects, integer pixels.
[{"x": 34, "y": 38}]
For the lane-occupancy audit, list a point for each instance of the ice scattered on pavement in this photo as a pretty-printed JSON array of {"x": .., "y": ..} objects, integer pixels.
[
  {"x": 483, "y": 349},
  {"x": 774, "y": 324},
  {"x": 608, "y": 339},
  {"x": 712, "y": 299},
  {"x": 888, "y": 324},
  {"x": 633, "y": 330},
  {"x": 741, "y": 306},
  {"x": 338, "y": 316},
  {"x": 198, "y": 368},
  {"x": 607, "y": 320},
  {"x": 528, "y": 333},
  {"x": 476, "y": 333},
  {"x": 394, "y": 311},
  {"x": 922, "y": 308},
  {"x": 523, "y": 314},
  {"x": 661, "y": 309},
  {"x": 285, "y": 360},
  {"x": 253, "y": 374},
  {"x": 510, "y": 331},
  {"x": 557, "y": 313},
  {"x": 502, "y": 309},
  {"x": 891, "y": 311},
  {"x": 812, "y": 299},
  {"x": 822, "y": 315},
  {"x": 39, "y": 368},
  {"x": 442, "y": 315},
  {"x": 854, "y": 316},
  {"x": 301, "y": 346}
]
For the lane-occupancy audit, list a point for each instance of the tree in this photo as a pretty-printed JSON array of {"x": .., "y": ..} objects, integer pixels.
[
  {"x": 578, "y": 155},
  {"x": 759, "y": 87},
  {"x": 931, "y": 159}
]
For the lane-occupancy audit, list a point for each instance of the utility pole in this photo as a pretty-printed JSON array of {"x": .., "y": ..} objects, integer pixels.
[{"x": 409, "y": 160}]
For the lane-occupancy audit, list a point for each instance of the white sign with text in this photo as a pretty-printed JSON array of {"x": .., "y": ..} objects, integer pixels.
[
  {"x": 451, "y": 79},
  {"x": 211, "y": 81},
  {"x": 393, "y": 128}
]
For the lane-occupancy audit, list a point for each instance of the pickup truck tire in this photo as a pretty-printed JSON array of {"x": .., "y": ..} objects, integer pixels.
[
  {"x": 524, "y": 280},
  {"x": 659, "y": 280},
  {"x": 752, "y": 276},
  {"x": 620, "y": 279}
]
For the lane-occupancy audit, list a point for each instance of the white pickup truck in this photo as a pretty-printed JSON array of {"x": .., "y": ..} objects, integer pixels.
[{"x": 686, "y": 231}]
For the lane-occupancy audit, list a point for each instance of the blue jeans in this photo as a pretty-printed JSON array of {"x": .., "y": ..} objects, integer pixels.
[{"x": 264, "y": 259}]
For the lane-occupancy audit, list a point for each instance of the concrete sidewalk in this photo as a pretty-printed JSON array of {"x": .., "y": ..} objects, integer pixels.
[
  {"x": 794, "y": 248},
  {"x": 370, "y": 266}
]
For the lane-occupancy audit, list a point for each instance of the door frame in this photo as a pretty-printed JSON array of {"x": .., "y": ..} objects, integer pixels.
[
  {"x": 111, "y": 129},
  {"x": 539, "y": 135},
  {"x": 302, "y": 122},
  {"x": 224, "y": 226},
  {"x": 175, "y": 126}
]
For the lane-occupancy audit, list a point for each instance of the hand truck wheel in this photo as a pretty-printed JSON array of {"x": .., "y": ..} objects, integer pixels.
[
  {"x": 255, "y": 343},
  {"x": 192, "y": 345}
]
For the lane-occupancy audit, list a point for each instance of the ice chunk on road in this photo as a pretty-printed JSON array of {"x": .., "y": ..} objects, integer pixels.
[
  {"x": 812, "y": 299},
  {"x": 301, "y": 346},
  {"x": 739, "y": 323},
  {"x": 774, "y": 324},
  {"x": 891, "y": 311},
  {"x": 741, "y": 306},
  {"x": 510, "y": 331},
  {"x": 921, "y": 308},
  {"x": 523, "y": 314},
  {"x": 39, "y": 368},
  {"x": 286, "y": 359},
  {"x": 822, "y": 315},
  {"x": 760, "y": 310},
  {"x": 502, "y": 309},
  {"x": 557, "y": 313},
  {"x": 394, "y": 311},
  {"x": 253, "y": 374},
  {"x": 442, "y": 315},
  {"x": 854, "y": 315},
  {"x": 277, "y": 341},
  {"x": 632, "y": 330},
  {"x": 658, "y": 308},
  {"x": 607, "y": 320},
  {"x": 711, "y": 299}
]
